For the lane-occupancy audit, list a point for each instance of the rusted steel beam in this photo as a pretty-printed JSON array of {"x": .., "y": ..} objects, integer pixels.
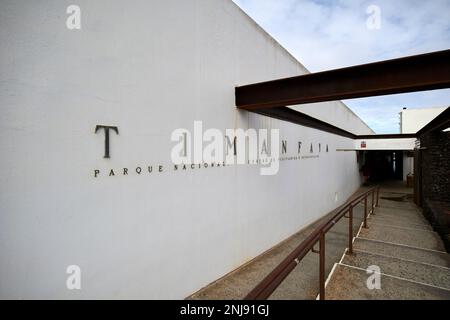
[
  {"x": 408, "y": 74},
  {"x": 294, "y": 116},
  {"x": 287, "y": 114},
  {"x": 387, "y": 136}
]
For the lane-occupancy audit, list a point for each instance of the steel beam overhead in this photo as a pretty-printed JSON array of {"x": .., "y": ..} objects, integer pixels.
[
  {"x": 388, "y": 136},
  {"x": 291, "y": 115},
  {"x": 428, "y": 71},
  {"x": 287, "y": 114}
]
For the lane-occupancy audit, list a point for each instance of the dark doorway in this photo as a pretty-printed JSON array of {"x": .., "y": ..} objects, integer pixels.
[{"x": 384, "y": 165}]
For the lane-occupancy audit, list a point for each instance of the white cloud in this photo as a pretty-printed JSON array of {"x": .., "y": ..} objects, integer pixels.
[{"x": 325, "y": 34}]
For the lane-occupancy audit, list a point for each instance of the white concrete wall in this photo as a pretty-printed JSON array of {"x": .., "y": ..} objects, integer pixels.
[
  {"x": 148, "y": 67},
  {"x": 408, "y": 166},
  {"x": 385, "y": 144},
  {"x": 338, "y": 114},
  {"x": 412, "y": 120}
]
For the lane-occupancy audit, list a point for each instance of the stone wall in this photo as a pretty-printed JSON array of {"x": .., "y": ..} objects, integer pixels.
[
  {"x": 436, "y": 182},
  {"x": 436, "y": 166}
]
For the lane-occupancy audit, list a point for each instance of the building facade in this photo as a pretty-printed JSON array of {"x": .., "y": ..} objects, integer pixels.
[
  {"x": 411, "y": 121},
  {"x": 136, "y": 225}
]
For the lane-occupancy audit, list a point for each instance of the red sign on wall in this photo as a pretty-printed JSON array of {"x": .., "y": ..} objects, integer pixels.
[{"x": 363, "y": 144}]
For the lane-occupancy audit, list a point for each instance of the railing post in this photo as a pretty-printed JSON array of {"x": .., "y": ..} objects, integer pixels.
[
  {"x": 365, "y": 211},
  {"x": 350, "y": 230},
  {"x": 373, "y": 201},
  {"x": 322, "y": 266},
  {"x": 378, "y": 194}
]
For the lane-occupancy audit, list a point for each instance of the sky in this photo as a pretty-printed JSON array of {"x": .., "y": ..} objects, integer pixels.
[{"x": 325, "y": 34}]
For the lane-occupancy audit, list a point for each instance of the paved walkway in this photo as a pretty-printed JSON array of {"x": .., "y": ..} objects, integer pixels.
[
  {"x": 411, "y": 256},
  {"x": 303, "y": 282}
]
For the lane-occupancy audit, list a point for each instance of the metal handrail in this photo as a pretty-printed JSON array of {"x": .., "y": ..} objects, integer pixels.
[{"x": 271, "y": 282}]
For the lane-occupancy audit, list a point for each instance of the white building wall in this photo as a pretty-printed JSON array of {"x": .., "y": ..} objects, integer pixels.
[
  {"x": 408, "y": 166},
  {"x": 385, "y": 144},
  {"x": 412, "y": 120},
  {"x": 148, "y": 67},
  {"x": 337, "y": 114}
]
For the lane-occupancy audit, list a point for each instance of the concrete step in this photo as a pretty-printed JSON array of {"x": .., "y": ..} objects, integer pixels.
[
  {"x": 400, "y": 222},
  {"x": 401, "y": 213},
  {"x": 406, "y": 269},
  {"x": 395, "y": 192},
  {"x": 349, "y": 283},
  {"x": 397, "y": 205},
  {"x": 437, "y": 258},
  {"x": 416, "y": 238},
  {"x": 400, "y": 198},
  {"x": 410, "y": 226}
]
